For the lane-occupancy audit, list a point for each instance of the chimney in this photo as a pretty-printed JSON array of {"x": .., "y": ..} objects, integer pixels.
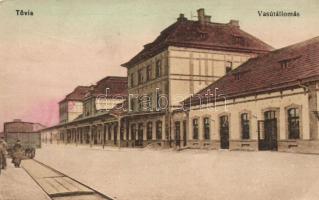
[
  {"x": 207, "y": 18},
  {"x": 234, "y": 23},
  {"x": 181, "y": 18},
  {"x": 201, "y": 15},
  {"x": 202, "y": 18}
]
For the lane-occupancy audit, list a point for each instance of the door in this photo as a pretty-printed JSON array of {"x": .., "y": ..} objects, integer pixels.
[
  {"x": 267, "y": 132},
  {"x": 140, "y": 133},
  {"x": 115, "y": 133},
  {"x": 184, "y": 133},
  {"x": 178, "y": 134},
  {"x": 224, "y": 132}
]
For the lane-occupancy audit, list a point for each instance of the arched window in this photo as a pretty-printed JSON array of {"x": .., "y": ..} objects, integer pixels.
[
  {"x": 195, "y": 129},
  {"x": 206, "y": 128},
  {"x": 293, "y": 123},
  {"x": 159, "y": 130},
  {"x": 149, "y": 130},
  {"x": 244, "y": 126}
]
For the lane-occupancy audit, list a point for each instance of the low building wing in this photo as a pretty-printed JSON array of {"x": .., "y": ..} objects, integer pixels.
[{"x": 282, "y": 68}]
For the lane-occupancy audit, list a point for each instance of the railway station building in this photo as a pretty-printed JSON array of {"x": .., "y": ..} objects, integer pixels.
[{"x": 202, "y": 84}]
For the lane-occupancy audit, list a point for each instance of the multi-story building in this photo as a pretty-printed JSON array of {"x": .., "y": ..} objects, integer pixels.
[
  {"x": 239, "y": 94},
  {"x": 71, "y": 106},
  {"x": 186, "y": 57},
  {"x": 92, "y": 116},
  {"x": 103, "y": 96},
  {"x": 268, "y": 103}
]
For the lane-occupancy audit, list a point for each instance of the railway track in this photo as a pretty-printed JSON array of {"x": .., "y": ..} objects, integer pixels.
[{"x": 59, "y": 186}]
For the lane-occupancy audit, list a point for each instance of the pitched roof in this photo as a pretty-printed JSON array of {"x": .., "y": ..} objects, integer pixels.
[
  {"x": 279, "y": 69},
  {"x": 211, "y": 36},
  {"x": 117, "y": 86},
  {"x": 21, "y": 126},
  {"x": 77, "y": 94}
]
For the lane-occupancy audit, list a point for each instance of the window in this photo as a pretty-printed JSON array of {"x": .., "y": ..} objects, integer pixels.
[
  {"x": 132, "y": 102},
  {"x": 293, "y": 123},
  {"x": 239, "y": 40},
  {"x": 149, "y": 130},
  {"x": 284, "y": 64},
  {"x": 158, "y": 99},
  {"x": 140, "y": 103},
  {"x": 158, "y": 68},
  {"x": 229, "y": 66},
  {"x": 149, "y": 102},
  {"x": 206, "y": 128},
  {"x": 132, "y": 79},
  {"x": 140, "y": 76},
  {"x": 195, "y": 129},
  {"x": 244, "y": 126},
  {"x": 148, "y": 73},
  {"x": 159, "y": 130}
]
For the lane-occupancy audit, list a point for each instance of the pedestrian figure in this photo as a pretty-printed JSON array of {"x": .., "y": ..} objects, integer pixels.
[
  {"x": 17, "y": 154},
  {"x": 3, "y": 153}
]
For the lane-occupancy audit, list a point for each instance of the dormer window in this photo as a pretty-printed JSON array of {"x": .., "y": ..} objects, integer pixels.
[
  {"x": 239, "y": 40},
  {"x": 229, "y": 66},
  {"x": 285, "y": 63},
  {"x": 237, "y": 76}
]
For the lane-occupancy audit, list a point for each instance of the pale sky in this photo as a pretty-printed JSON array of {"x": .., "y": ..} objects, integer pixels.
[{"x": 68, "y": 43}]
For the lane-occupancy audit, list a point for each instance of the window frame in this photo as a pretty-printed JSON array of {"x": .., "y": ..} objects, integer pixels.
[
  {"x": 228, "y": 68},
  {"x": 140, "y": 76},
  {"x": 158, "y": 68},
  {"x": 244, "y": 123},
  {"x": 148, "y": 72},
  {"x": 290, "y": 119},
  {"x": 132, "y": 79},
  {"x": 195, "y": 127},
  {"x": 206, "y": 129}
]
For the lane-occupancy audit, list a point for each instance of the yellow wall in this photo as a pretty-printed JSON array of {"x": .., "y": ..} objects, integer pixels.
[{"x": 256, "y": 107}]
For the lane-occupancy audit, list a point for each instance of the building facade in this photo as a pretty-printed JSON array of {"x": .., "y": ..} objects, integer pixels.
[
  {"x": 185, "y": 58},
  {"x": 268, "y": 103},
  {"x": 202, "y": 84},
  {"x": 71, "y": 106},
  {"x": 27, "y": 132}
]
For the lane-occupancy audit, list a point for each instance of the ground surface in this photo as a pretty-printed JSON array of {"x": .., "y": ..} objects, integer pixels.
[
  {"x": 138, "y": 174},
  {"x": 16, "y": 184}
]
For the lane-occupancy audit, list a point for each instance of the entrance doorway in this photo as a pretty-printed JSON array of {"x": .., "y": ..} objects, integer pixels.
[
  {"x": 115, "y": 134},
  {"x": 178, "y": 134},
  {"x": 184, "y": 133},
  {"x": 224, "y": 132},
  {"x": 267, "y": 131},
  {"x": 139, "y": 141}
]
